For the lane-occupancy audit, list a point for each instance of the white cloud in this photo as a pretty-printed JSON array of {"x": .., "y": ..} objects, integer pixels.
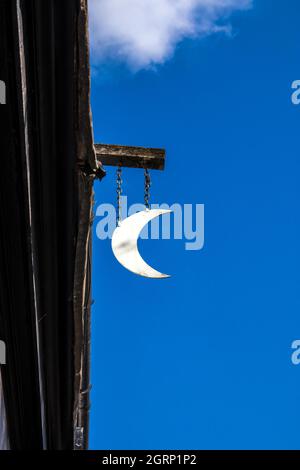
[{"x": 143, "y": 33}]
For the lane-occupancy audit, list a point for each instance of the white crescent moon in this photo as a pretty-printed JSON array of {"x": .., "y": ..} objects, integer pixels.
[{"x": 124, "y": 243}]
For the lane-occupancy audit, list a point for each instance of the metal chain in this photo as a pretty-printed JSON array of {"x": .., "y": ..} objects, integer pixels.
[
  {"x": 119, "y": 193},
  {"x": 147, "y": 188}
]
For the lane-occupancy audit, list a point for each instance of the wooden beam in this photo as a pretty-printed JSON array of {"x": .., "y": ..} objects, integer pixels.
[{"x": 131, "y": 157}]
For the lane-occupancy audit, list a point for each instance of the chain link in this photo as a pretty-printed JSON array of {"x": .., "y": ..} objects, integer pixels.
[
  {"x": 147, "y": 188},
  {"x": 119, "y": 193}
]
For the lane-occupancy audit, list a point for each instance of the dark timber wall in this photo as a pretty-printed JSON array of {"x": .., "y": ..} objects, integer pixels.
[{"x": 47, "y": 171}]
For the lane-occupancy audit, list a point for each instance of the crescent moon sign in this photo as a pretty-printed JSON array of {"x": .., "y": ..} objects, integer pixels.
[{"x": 124, "y": 243}]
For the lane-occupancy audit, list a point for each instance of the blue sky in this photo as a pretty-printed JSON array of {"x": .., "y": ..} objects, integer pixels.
[{"x": 203, "y": 360}]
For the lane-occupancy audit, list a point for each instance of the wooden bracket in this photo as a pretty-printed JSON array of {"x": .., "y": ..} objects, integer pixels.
[{"x": 131, "y": 157}]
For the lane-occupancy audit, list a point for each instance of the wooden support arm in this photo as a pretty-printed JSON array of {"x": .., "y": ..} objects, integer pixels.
[{"x": 131, "y": 157}]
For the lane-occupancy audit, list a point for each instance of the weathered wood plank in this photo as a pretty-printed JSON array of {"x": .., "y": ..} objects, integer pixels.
[{"x": 131, "y": 157}]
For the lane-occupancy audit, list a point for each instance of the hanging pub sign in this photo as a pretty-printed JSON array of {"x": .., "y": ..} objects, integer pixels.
[{"x": 125, "y": 237}]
